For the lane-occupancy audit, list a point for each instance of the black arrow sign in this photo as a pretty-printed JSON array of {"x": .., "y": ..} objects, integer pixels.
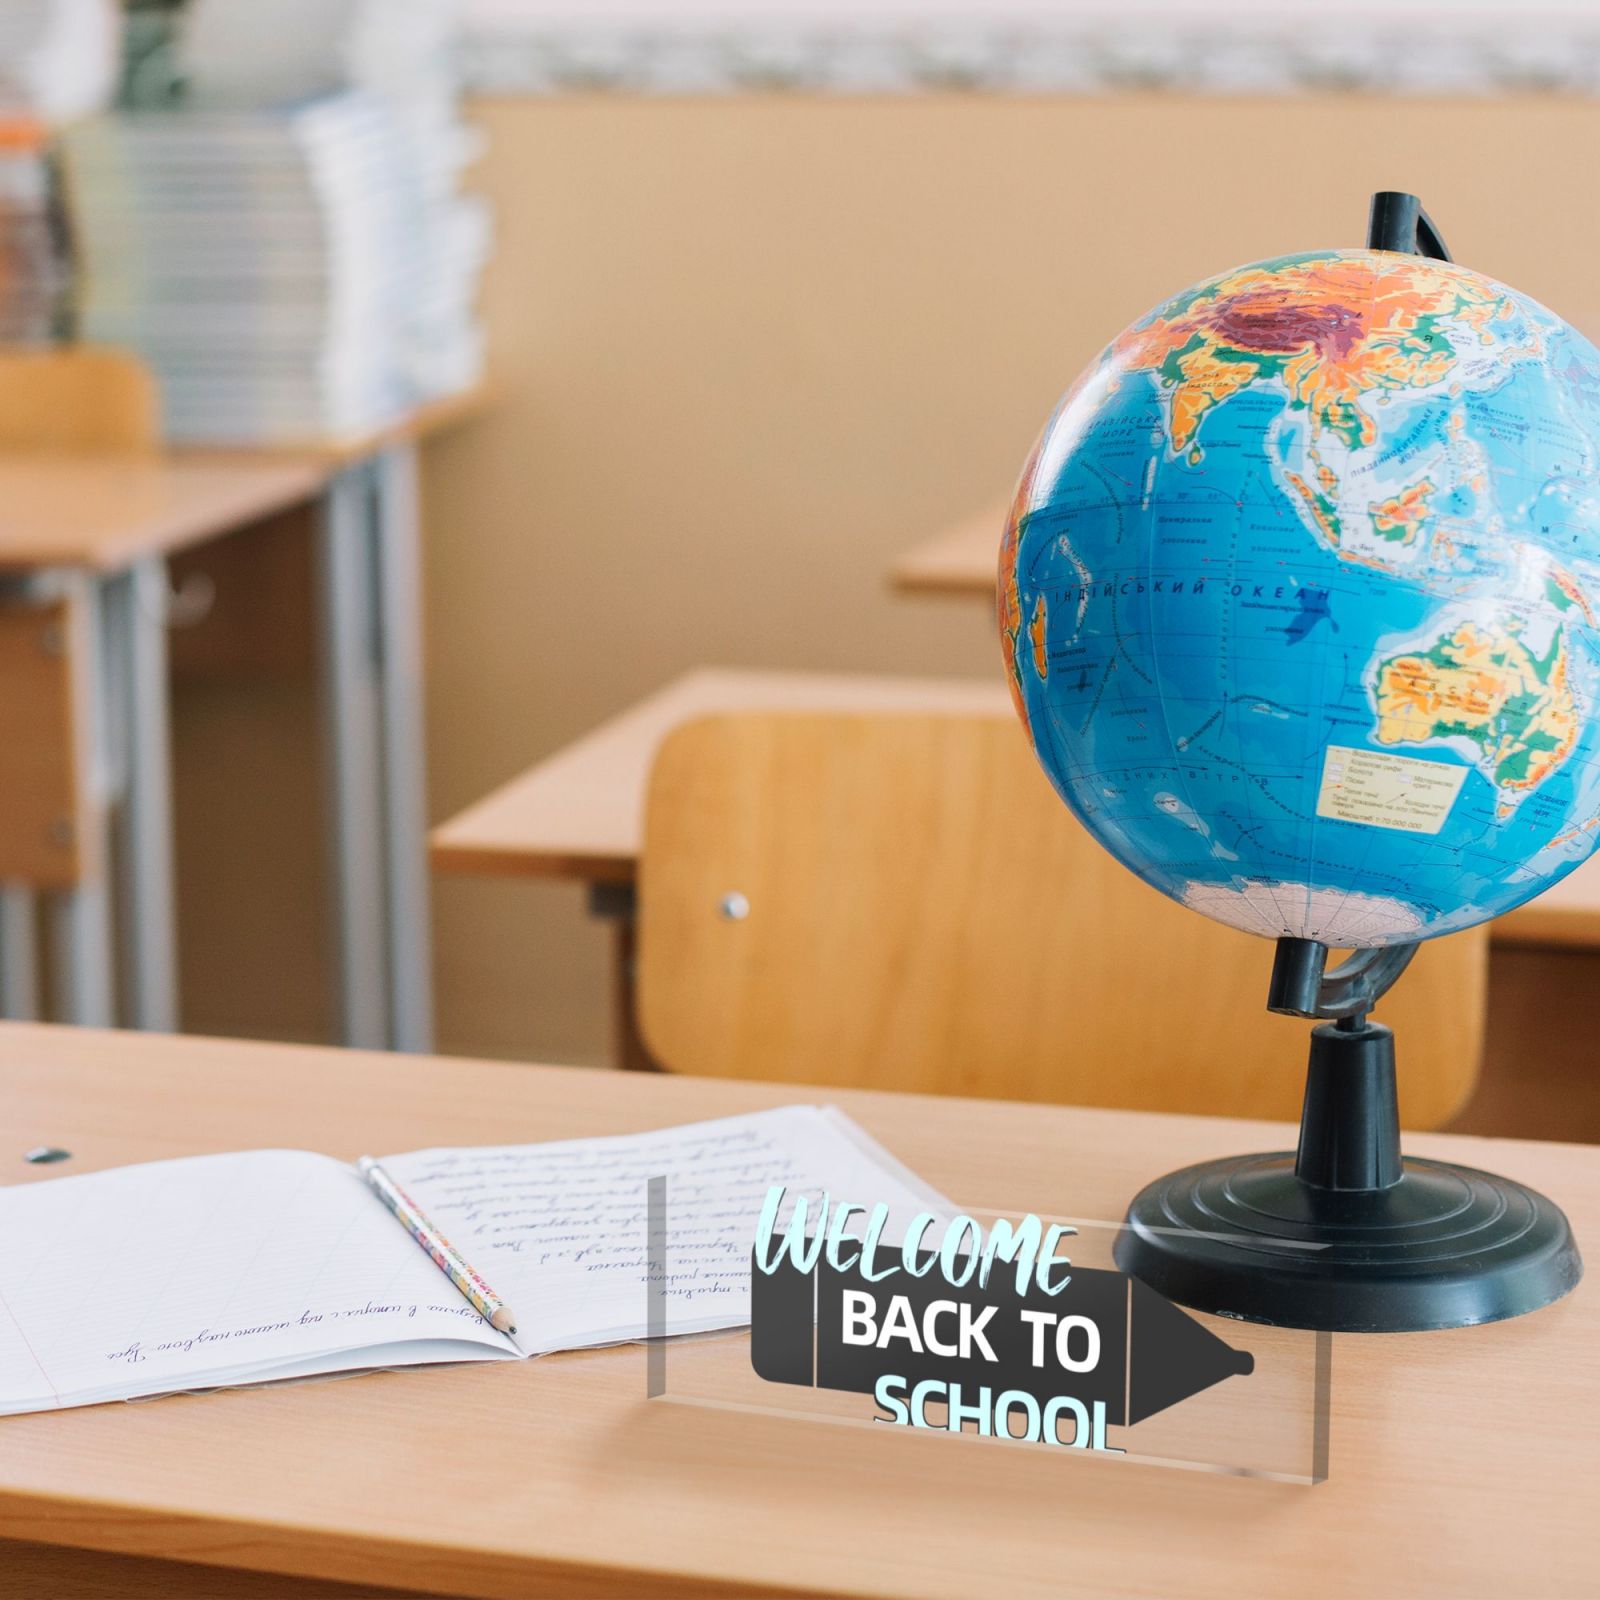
[{"x": 1105, "y": 1337}]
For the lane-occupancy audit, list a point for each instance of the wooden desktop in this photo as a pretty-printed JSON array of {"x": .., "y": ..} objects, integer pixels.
[{"x": 1459, "y": 1463}]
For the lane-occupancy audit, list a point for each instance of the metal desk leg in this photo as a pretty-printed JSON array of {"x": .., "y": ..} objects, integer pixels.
[
  {"x": 19, "y": 957},
  {"x": 82, "y": 945},
  {"x": 352, "y": 717},
  {"x": 135, "y": 624},
  {"x": 80, "y": 927},
  {"x": 372, "y": 662},
  {"x": 399, "y": 608},
  {"x": 618, "y": 904}
]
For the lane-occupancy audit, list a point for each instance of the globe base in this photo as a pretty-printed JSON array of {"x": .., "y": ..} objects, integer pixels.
[
  {"x": 1443, "y": 1247},
  {"x": 1345, "y": 1235}
]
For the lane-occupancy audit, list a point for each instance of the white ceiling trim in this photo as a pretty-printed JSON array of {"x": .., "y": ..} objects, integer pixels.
[{"x": 1461, "y": 55}]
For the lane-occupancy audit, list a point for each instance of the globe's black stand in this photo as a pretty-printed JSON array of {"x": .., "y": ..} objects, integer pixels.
[{"x": 1345, "y": 1234}]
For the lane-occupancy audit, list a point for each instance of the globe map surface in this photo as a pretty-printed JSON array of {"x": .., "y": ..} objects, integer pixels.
[{"x": 1298, "y": 595}]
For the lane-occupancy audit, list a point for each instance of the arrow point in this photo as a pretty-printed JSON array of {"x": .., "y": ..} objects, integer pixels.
[{"x": 1173, "y": 1356}]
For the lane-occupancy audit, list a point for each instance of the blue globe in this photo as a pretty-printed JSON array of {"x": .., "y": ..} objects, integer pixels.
[{"x": 1297, "y": 598}]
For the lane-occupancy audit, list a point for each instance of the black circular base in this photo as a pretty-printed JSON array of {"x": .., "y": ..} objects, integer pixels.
[{"x": 1444, "y": 1247}]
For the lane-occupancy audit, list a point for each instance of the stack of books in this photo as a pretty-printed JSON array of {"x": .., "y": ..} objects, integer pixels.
[{"x": 287, "y": 247}]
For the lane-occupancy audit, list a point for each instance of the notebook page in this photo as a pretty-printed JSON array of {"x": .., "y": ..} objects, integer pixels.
[
  {"x": 182, "y": 1274},
  {"x": 559, "y": 1230}
]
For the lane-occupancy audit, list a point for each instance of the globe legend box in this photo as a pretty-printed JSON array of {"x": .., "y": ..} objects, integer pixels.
[{"x": 1385, "y": 791}]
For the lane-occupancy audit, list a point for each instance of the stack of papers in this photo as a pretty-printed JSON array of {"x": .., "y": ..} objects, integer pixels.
[{"x": 288, "y": 247}]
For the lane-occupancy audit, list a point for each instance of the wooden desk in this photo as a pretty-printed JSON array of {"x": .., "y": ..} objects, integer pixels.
[
  {"x": 100, "y": 527},
  {"x": 88, "y": 535},
  {"x": 960, "y": 561},
  {"x": 1460, "y": 1464},
  {"x": 580, "y": 814},
  {"x": 105, "y": 513}
]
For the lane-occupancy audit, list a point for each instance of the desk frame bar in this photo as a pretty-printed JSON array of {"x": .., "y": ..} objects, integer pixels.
[
  {"x": 368, "y": 548},
  {"x": 79, "y": 918},
  {"x": 134, "y": 610},
  {"x": 80, "y": 929},
  {"x": 370, "y": 581},
  {"x": 399, "y": 598},
  {"x": 19, "y": 955},
  {"x": 351, "y": 715}
]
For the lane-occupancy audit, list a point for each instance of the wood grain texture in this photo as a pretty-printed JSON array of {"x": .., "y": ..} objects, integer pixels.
[
  {"x": 580, "y": 814},
  {"x": 29, "y": 1569},
  {"x": 47, "y": 799},
  {"x": 77, "y": 398},
  {"x": 1460, "y": 1465},
  {"x": 926, "y": 914}
]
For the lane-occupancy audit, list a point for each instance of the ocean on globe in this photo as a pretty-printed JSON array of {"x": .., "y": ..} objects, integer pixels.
[{"x": 1297, "y": 598}]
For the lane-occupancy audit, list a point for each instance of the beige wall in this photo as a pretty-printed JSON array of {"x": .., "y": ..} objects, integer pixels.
[{"x": 750, "y": 349}]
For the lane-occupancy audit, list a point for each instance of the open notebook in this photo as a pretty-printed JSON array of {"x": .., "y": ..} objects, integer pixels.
[{"x": 232, "y": 1269}]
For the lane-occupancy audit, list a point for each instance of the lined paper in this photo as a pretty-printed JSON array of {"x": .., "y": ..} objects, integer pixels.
[
  {"x": 206, "y": 1271},
  {"x": 558, "y": 1230},
  {"x": 230, "y": 1269}
]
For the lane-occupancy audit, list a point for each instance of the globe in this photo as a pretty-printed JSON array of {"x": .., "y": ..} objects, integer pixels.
[{"x": 1297, "y": 598}]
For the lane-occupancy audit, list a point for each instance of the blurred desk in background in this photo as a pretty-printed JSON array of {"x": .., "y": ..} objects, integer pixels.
[
  {"x": 84, "y": 544},
  {"x": 107, "y": 513},
  {"x": 84, "y": 541},
  {"x": 961, "y": 561},
  {"x": 580, "y": 813}
]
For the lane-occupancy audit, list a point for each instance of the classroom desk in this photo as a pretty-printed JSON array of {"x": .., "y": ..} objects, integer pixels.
[
  {"x": 96, "y": 532},
  {"x": 1460, "y": 1464},
  {"x": 102, "y": 527},
  {"x": 580, "y": 813},
  {"x": 961, "y": 561}
]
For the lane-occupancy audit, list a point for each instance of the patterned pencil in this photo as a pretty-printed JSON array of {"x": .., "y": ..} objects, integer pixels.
[{"x": 445, "y": 1256}]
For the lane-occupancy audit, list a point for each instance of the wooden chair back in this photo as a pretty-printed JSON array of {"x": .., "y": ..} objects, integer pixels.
[
  {"x": 902, "y": 902},
  {"x": 77, "y": 398},
  {"x": 47, "y": 833}
]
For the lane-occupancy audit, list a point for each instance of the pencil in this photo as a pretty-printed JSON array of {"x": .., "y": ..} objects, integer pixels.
[{"x": 445, "y": 1256}]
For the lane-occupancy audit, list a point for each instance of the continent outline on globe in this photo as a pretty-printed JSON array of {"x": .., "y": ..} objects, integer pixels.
[{"x": 1337, "y": 499}]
